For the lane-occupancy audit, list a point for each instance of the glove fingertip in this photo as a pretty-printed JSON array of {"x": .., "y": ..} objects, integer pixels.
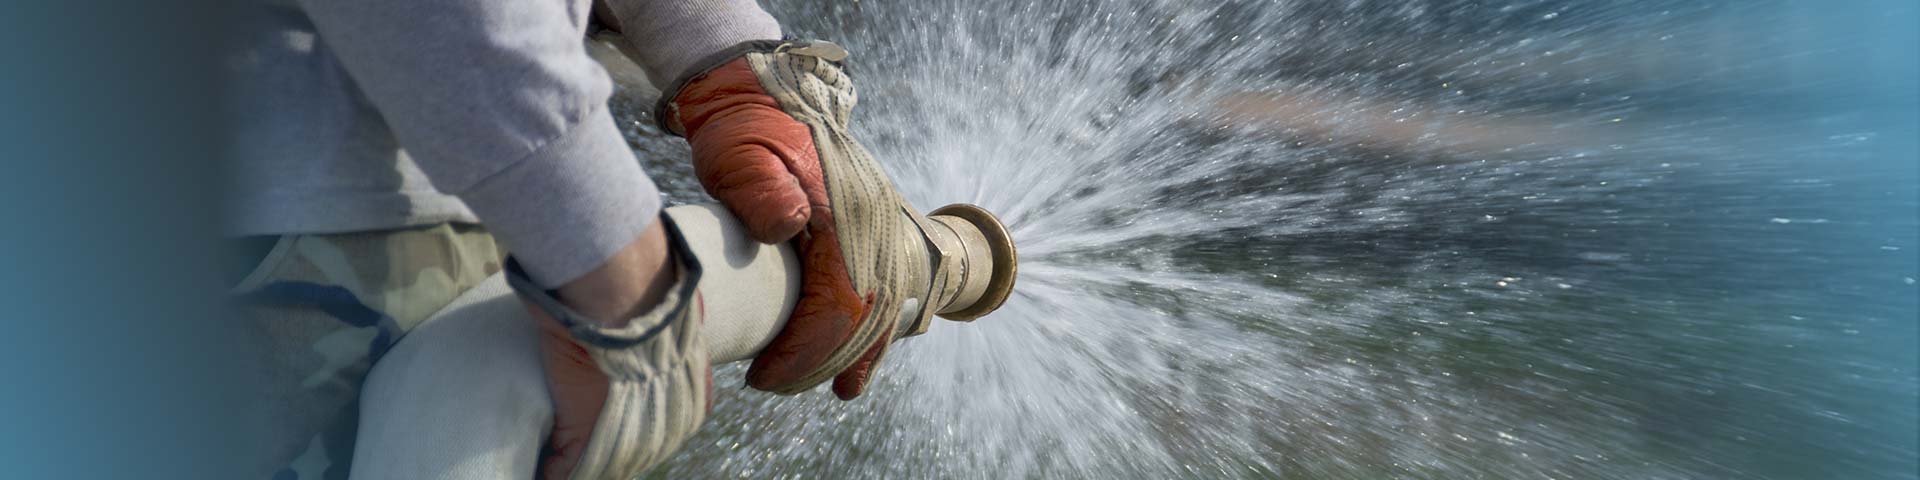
[
  {"x": 780, "y": 228},
  {"x": 851, "y": 383}
]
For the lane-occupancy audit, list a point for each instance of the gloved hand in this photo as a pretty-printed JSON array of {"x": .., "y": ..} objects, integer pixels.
[
  {"x": 770, "y": 141},
  {"x": 626, "y": 364}
]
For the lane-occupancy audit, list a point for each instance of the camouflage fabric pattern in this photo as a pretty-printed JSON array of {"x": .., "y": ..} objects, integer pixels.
[{"x": 321, "y": 309}]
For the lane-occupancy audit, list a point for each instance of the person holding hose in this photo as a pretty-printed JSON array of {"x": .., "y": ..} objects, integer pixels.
[{"x": 388, "y": 152}]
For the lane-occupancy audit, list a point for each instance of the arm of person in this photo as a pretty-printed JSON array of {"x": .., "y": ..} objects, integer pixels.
[{"x": 499, "y": 104}]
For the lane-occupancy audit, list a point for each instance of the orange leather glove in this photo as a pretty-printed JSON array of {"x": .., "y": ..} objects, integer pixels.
[
  {"x": 763, "y": 165},
  {"x": 625, "y": 394}
]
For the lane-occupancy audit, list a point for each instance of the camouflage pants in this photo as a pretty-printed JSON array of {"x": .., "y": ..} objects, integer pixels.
[{"x": 320, "y": 309}]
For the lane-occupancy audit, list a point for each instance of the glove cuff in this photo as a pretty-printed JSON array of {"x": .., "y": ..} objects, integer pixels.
[
  {"x": 659, "y": 376},
  {"x": 640, "y": 330},
  {"x": 666, "y": 111}
]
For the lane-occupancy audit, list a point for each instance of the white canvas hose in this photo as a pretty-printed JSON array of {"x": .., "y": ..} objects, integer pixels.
[{"x": 463, "y": 395}]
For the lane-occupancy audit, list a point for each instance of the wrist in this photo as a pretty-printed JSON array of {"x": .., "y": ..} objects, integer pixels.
[{"x": 631, "y": 281}]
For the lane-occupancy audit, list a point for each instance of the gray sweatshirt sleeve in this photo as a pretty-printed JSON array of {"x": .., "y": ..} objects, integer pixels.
[
  {"x": 500, "y": 105},
  {"x": 671, "y": 36}
]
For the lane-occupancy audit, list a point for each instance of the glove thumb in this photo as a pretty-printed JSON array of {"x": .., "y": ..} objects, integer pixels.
[{"x": 741, "y": 160}]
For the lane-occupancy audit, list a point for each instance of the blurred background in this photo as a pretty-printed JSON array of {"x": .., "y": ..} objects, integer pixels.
[{"x": 1260, "y": 239}]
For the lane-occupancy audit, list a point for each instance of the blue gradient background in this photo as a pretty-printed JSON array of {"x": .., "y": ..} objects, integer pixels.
[
  {"x": 110, "y": 138},
  {"x": 112, "y": 349}
]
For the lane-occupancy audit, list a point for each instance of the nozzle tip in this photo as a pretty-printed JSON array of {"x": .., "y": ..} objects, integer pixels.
[{"x": 1006, "y": 262}]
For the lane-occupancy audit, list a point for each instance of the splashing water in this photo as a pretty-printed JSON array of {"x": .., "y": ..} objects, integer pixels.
[{"x": 1439, "y": 239}]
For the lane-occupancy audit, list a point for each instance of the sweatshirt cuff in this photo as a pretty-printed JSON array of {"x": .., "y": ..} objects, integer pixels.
[
  {"x": 670, "y": 37},
  {"x": 572, "y": 204}
]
